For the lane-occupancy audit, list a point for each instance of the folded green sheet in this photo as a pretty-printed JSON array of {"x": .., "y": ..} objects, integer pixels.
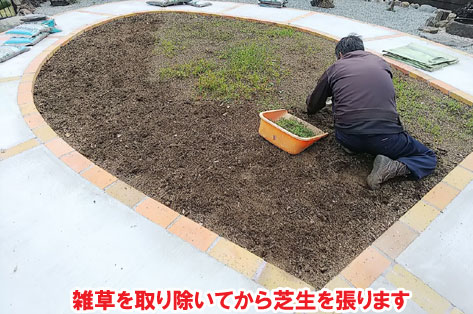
[{"x": 421, "y": 57}]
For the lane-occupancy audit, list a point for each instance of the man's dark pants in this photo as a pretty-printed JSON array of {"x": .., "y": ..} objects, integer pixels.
[{"x": 419, "y": 159}]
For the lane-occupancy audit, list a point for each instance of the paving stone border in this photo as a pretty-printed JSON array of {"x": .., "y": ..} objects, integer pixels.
[{"x": 378, "y": 258}]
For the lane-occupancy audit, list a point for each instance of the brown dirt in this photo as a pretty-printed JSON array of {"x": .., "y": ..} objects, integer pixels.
[{"x": 309, "y": 214}]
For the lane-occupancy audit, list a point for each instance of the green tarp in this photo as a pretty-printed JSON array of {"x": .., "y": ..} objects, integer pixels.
[{"x": 421, "y": 57}]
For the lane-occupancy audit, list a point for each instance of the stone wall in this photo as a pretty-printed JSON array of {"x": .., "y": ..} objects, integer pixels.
[{"x": 443, "y": 4}]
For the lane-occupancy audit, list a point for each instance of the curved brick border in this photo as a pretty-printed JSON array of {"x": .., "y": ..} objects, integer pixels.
[{"x": 361, "y": 272}]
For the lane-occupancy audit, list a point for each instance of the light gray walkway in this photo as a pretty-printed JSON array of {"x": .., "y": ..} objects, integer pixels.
[
  {"x": 436, "y": 266},
  {"x": 57, "y": 232},
  {"x": 325, "y": 23},
  {"x": 411, "y": 307},
  {"x": 13, "y": 129},
  {"x": 16, "y": 66},
  {"x": 458, "y": 75},
  {"x": 443, "y": 254}
]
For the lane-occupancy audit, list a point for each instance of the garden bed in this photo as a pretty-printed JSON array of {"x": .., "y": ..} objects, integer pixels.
[{"x": 169, "y": 103}]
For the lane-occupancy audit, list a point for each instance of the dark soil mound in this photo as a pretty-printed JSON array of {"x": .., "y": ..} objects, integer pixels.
[{"x": 150, "y": 99}]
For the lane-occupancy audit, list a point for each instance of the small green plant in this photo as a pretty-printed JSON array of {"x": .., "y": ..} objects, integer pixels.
[
  {"x": 407, "y": 98},
  {"x": 242, "y": 67},
  {"x": 248, "y": 69},
  {"x": 469, "y": 123},
  {"x": 242, "y": 71},
  {"x": 453, "y": 106},
  {"x": 419, "y": 108},
  {"x": 295, "y": 127},
  {"x": 280, "y": 32},
  {"x": 181, "y": 71},
  {"x": 214, "y": 83},
  {"x": 168, "y": 47}
]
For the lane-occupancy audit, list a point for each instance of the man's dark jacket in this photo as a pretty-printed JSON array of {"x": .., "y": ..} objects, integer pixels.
[{"x": 362, "y": 93}]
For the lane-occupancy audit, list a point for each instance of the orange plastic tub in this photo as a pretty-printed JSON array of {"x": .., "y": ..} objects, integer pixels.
[{"x": 282, "y": 138}]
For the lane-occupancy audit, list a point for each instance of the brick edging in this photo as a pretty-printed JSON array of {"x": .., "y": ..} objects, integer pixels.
[{"x": 361, "y": 272}]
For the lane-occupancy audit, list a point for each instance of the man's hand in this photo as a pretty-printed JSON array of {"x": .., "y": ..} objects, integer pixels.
[{"x": 316, "y": 100}]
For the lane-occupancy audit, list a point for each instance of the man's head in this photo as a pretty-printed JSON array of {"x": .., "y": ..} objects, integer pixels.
[{"x": 348, "y": 44}]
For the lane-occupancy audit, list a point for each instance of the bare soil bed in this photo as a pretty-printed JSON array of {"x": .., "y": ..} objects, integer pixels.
[{"x": 169, "y": 103}]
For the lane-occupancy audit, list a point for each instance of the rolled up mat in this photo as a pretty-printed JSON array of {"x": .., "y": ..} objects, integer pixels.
[{"x": 421, "y": 57}]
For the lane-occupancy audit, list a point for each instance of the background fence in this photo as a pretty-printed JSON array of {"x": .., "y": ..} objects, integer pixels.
[{"x": 6, "y": 9}]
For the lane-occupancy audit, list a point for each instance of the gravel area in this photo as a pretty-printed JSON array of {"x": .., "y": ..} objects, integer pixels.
[
  {"x": 457, "y": 42},
  {"x": 6, "y": 24},
  {"x": 406, "y": 20},
  {"x": 403, "y": 19}
]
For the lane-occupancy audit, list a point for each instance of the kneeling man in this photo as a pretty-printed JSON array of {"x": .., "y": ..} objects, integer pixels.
[{"x": 365, "y": 115}]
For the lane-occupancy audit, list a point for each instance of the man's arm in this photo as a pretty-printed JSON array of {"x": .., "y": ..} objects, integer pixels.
[{"x": 317, "y": 99}]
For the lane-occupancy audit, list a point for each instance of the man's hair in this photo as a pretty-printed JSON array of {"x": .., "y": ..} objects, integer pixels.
[{"x": 348, "y": 44}]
